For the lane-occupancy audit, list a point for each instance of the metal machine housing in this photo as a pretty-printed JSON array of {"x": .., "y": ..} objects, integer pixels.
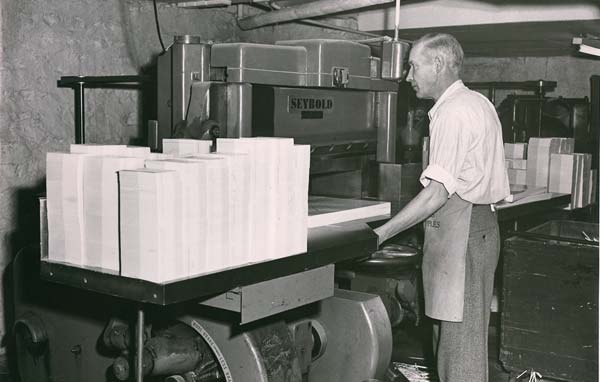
[{"x": 326, "y": 93}]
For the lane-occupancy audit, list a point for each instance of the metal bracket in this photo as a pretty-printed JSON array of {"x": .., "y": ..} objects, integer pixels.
[
  {"x": 270, "y": 297},
  {"x": 80, "y": 83}
]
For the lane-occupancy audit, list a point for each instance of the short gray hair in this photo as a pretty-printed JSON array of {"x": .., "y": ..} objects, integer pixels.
[{"x": 446, "y": 45}]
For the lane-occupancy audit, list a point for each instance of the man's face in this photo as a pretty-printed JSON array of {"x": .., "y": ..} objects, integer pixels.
[{"x": 421, "y": 74}]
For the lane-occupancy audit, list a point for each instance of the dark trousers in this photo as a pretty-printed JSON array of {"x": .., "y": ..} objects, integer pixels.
[{"x": 462, "y": 347}]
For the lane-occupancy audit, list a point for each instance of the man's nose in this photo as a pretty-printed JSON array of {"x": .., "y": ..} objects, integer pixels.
[{"x": 409, "y": 76}]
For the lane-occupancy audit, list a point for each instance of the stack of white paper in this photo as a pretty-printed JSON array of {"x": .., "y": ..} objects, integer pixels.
[
  {"x": 571, "y": 174},
  {"x": 515, "y": 150},
  {"x": 82, "y": 195},
  {"x": 265, "y": 192},
  {"x": 151, "y": 225},
  {"x": 279, "y": 194},
  {"x": 178, "y": 217},
  {"x": 581, "y": 188},
  {"x": 592, "y": 187},
  {"x": 538, "y": 158},
  {"x": 137, "y": 151},
  {"x": 97, "y": 149},
  {"x": 214, "y": 188},
  {"x": 279, "y": 159},
  {"x": 562, "y": 173},
  {"x": 160, "y": 156},
  {"x": 255, "y": 218},
  {"x": 64, "y": 190},
  {"x": 111, "y": 150},
  {"x": 517, "y": 176},
  {"x": 299, "y": 197},
  {"x": 181, "y": 147},
  {"x": 517, "y": 164},
  {"x": 193, "y": 211},
  {"x": 101, "y": 209},
  {"x": 240, "y": 180}
]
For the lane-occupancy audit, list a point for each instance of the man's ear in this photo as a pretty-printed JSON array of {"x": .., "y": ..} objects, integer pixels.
[{"x": 438, "y": 64}]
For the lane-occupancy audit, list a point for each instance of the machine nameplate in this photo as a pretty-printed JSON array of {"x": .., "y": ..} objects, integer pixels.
[
  {"x": 303, "y": 104},
  {"x": 311, "y": 114}
]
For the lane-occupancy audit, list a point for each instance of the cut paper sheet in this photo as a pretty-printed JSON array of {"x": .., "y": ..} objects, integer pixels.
[{"x": 324, "y": 211}]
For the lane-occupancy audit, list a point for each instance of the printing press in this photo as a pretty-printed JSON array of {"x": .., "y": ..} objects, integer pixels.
[{"x": 282, "y": 320}]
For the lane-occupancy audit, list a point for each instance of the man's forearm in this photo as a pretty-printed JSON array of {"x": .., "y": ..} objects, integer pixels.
[{"x": 429, "y": 200}]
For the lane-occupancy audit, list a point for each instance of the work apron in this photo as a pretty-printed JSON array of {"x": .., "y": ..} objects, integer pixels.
[{"x": 444, "y": 253}]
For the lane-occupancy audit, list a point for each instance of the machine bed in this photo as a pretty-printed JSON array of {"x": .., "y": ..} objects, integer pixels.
[{"x": 326, "y": 245}]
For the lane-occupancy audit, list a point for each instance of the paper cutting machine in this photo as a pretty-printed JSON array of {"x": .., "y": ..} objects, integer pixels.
[
  {"x": 326, "y": 93},
  {"x": 277, "y": 321}
]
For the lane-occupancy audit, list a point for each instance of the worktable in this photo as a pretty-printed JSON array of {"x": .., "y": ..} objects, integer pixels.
[
  {"x": 326, "y": 245},
  {"x": 523, "y": 207},
  {"x": 531, "y": 205}
]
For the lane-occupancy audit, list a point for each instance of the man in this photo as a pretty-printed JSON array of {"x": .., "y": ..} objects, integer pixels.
[{"x": 465, "y": 175}]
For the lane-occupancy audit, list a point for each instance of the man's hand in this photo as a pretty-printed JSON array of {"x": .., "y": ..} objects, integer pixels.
[{"x": 381, "y": 235}]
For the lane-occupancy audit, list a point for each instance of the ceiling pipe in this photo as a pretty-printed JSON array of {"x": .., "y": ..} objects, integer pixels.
[
  {"x": 374, "y": 37},
  {"x": 394, "y": 53},
  {"x": 397, "y": 21},
  {"x": 304, "y": 11}
]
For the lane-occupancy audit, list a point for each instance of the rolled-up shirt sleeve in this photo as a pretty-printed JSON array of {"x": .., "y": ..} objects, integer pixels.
[{"x": 449, "y": 144}]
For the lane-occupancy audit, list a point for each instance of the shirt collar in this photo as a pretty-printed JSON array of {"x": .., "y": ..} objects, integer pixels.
[{"x": 456, "y": 85}]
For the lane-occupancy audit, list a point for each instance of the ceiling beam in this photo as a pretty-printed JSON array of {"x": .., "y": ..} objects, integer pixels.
[{"x": 442, "y": 13}]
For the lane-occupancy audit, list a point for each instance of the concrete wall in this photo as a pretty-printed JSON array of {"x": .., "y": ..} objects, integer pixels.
[{"x": 571, "y": 73}]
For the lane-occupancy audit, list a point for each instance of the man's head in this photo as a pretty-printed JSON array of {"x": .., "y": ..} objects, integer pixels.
[{"x": 435, "y": 62}]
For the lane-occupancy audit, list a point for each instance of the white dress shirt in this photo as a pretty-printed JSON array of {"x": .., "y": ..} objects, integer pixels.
[{"x": 466, "y": 152}]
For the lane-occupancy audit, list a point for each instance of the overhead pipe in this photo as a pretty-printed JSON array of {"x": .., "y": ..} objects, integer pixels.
[
  {"x": 397, "y": 21},
  {"x": 374, "y": 37},
  {"x": 305, "y": 11},
  {"x": 394, "y": 52}
]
